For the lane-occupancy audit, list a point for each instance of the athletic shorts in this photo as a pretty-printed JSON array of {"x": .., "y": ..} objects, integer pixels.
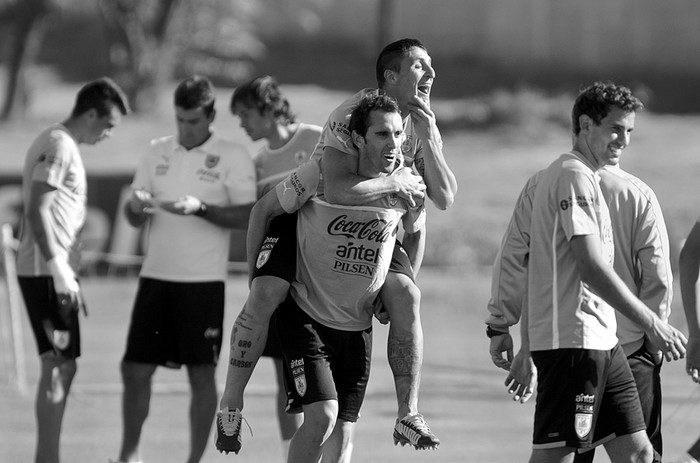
[
  {"x": 175, "y": 323},
  {"x": 400, "y": 263},
  {"x": 324, "y": 363},
  {"x": 647, "y": 376},
  {"x": 278, "y": 254},
  {"x": 583, "y": 398},
  {"x": 56, "y": 327}
]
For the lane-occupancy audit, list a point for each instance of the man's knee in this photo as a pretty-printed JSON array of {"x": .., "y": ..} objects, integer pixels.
[
  {"x": 136, "y": 374},
  {"x": 266, "y": 294},
  {"x": 400, "y": 295},
  {"x": 320, "y": 418},
  {"x": 202, "y": 378}
]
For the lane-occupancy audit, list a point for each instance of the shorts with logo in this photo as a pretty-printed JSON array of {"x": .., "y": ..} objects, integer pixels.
[
  {"x": 278, "y": 258},
  {"x": 324, "y": 363},
  {"x": 647, "y": 377},
  {"x": 176, "y": 323},
  {"x": 583, "y": 397},
  {"x": 55, "y": 325}
]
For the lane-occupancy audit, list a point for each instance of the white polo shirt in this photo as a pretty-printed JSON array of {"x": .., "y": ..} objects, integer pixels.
[
  {"x": 54, "y": 159},
  {"x": 273, "y": 165},
  {"x": 344, "y": 252},
  {"x": 189, "y": 248},
  {"x": 563, "y": 311}
]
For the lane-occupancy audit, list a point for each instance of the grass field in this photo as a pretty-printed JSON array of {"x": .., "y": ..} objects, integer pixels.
[
  {"x": 462, "y": 392},
  {"x": 462, "y": 397}
]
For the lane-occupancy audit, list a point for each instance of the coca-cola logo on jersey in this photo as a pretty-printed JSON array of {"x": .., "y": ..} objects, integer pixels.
[{"x": 372, "y": 230}]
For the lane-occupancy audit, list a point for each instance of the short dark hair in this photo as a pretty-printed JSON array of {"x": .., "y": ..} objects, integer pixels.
[
  {"x": 263, "y": 93},
  {"x": 373, "y": 101},
  {"x": 196, "y": 92},
  {"x": 101, "y": 94},
  {"x": 391, "y": 56},
  {"x": 596, "y": 100}
]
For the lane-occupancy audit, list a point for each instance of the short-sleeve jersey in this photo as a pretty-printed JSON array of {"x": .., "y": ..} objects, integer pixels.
[
  {"x": 642, "y": 257},
  {"x": 54, "y": 159},
  {"x": 273, "y": 165},
  {"x": 185, "y": 247},
  {"x": 344, "y": 251},
  {"x": 336, "y": 134},
  {"x": 563, "y": 311}
]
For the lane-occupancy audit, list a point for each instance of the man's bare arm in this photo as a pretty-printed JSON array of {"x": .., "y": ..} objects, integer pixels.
[
  {"x": 438, "y": 177},
  {"x": 343, "y": 186},
  {"x": 234, "y": 216},
  {"x": 41, "y": 196},
  {"x": 607, "y": 284}
]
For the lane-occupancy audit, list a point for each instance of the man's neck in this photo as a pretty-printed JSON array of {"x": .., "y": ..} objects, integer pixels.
[
  {"x": 281, "y": 136},
  {"x": 73, "y": 127}
]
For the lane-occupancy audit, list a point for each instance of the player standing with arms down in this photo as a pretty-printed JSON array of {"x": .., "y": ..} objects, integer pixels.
[
  {"x": 265, "y": 114},
  {"x": 192, "y": 189},
  {"x": 404, "y": 71},
  {"x": 54, "y": 195}
]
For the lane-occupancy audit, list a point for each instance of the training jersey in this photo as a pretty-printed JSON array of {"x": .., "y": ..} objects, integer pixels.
[
  {"x": 336, "y": 134},
  {"x": 54, "y": 159},
  {"x": 273, "y": 165},
  {"x": 642, "y": 256},
  {"x": 563, "y": 311},
  {"x": 344, "y": 251},
  {"x": 188, "y": 248}
]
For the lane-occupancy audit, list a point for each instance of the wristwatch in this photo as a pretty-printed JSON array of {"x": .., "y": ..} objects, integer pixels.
[
  {"x": 490, "y": 332},
  {"x": 202, "y": 211}
]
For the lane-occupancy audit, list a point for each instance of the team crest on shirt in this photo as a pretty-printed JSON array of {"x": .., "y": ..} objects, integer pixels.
[
  {"x": 297, "y": 367},
  {"x": 582, "y": 424},
  {"x": 211, "y": 161},
  {"x": 393, "y": 199},
  {"x": 263, "y": 257}
]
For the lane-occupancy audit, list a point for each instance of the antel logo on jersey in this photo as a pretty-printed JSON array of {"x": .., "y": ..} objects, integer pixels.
[{"x": 373, "y": 230}]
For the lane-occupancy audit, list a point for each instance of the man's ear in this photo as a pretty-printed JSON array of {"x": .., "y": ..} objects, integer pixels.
[
  {"x": 357, "y": 139},
  {"x": 212, "y": 116},
  {"x": 390, "y": 76},
  {"x": 585, "y": 122}
]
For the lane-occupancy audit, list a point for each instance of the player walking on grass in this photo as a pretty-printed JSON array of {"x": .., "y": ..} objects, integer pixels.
[
  {"x": 642, "y": 260},
  {"x": 265, "y": 114},
  {"x": 54, "y": 196},
  {"x": 569, "y": 208},
  {"x": 325, "y": 325},
  {"x": 190, "y": 189},
  {"x": 404, "y": 71}
]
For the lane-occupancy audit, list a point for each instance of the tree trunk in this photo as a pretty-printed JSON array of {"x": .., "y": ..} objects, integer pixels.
[{"x": 26, "y": 20}]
